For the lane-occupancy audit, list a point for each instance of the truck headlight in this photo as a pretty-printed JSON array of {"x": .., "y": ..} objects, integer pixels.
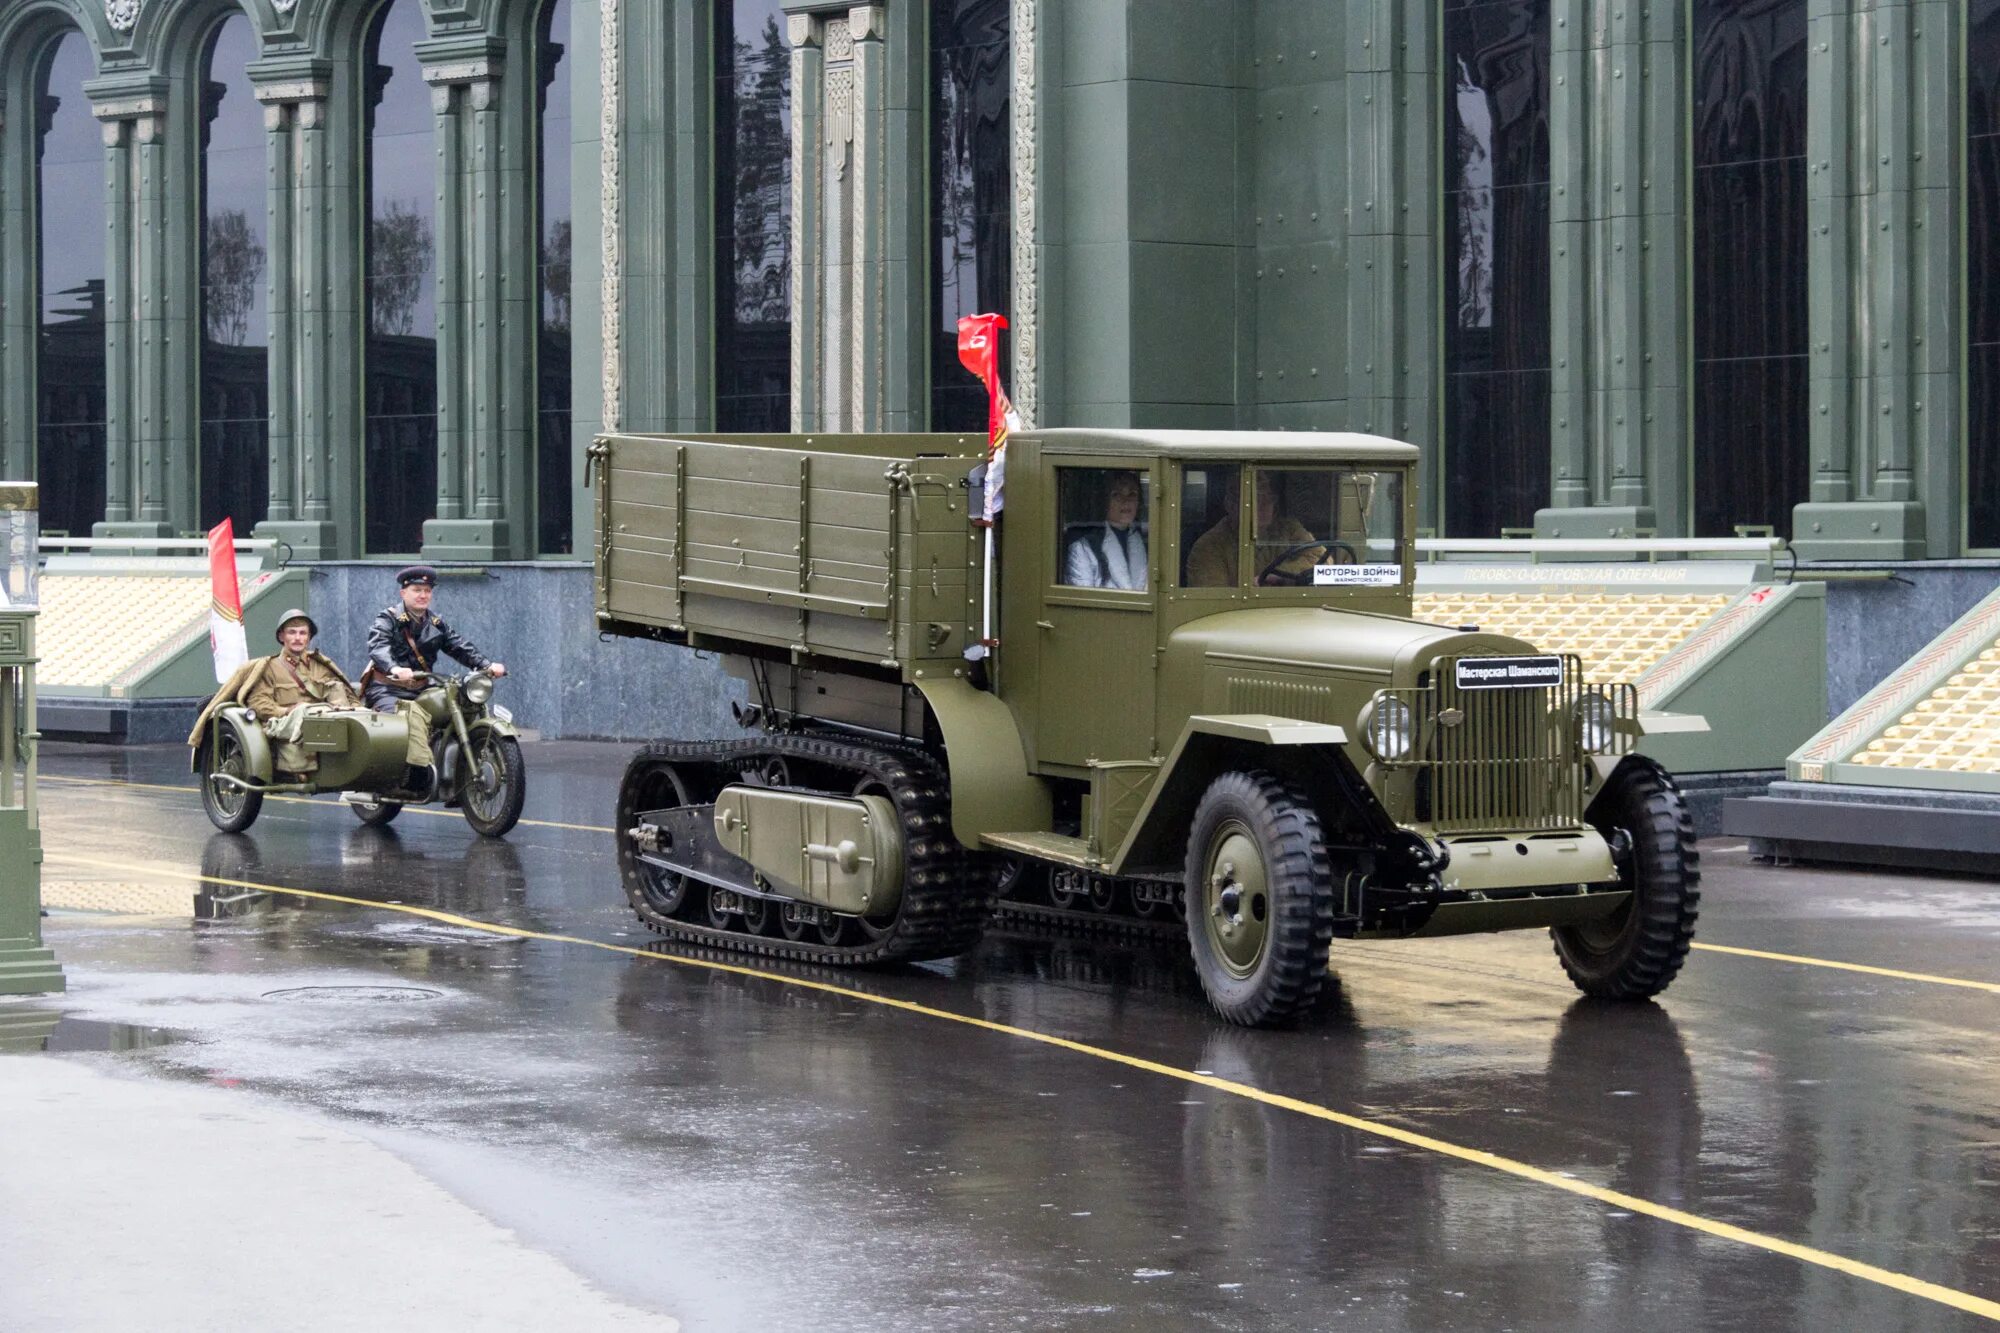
[
  {"x": 1596, "y": 723},
  {"x": 478, "y": 688},
  {"x": 1388, "y": 728}
]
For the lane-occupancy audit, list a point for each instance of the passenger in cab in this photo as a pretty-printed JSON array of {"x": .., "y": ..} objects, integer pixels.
[{"x": 1111, "y": 554}]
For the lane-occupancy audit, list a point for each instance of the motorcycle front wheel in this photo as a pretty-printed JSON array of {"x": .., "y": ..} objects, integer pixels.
[{"x": 496, "y": 785}]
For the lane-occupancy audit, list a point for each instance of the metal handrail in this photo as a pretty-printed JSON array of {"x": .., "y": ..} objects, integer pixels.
[
  {"x": 1765, "y": 546},
  {"x": 151, "y": 543}
]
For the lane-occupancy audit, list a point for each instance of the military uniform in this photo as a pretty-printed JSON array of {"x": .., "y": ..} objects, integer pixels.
[
  {"x": 400, "y": 637},
  {"x": 284, "y": 691}
]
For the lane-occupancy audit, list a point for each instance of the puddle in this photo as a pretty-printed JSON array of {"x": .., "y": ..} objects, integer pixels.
[{"x": 29, "y": 1030}]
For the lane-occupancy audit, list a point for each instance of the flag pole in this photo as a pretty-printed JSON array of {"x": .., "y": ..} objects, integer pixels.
[{"x": 979, "y": 352}]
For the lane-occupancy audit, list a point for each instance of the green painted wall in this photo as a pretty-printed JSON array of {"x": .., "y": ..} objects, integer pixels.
[{"x": 1229, "y": 218}]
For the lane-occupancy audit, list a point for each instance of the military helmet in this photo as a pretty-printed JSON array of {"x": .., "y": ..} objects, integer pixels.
[{"x": 296, "y": 613}]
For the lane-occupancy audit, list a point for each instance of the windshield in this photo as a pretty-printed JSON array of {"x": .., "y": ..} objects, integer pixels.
[{"x": 1313, "y": 527}]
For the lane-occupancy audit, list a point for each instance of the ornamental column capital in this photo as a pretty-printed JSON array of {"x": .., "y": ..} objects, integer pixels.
[{"x": 140, "y": 105}]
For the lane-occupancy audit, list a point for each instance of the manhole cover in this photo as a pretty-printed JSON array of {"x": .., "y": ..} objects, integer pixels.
[{"x": 355, "y": 994}]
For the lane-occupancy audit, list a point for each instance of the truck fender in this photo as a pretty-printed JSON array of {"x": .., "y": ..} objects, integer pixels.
[
  {"x": 1608, "y": 767},
  {"x": 1216, "y": 744},
  {"x": 256, "y": 746},
  {"x": 992, "y": 790}
]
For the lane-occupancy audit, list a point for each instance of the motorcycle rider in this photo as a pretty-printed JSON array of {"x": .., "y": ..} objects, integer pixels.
[{"x": 405, "y": 639}]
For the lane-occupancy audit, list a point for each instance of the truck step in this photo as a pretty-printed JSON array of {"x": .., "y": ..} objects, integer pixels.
[{"x": 1045, "y": 847}]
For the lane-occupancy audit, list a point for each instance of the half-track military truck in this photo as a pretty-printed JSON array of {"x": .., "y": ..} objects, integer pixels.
[{"x": 1203, "y": 700}]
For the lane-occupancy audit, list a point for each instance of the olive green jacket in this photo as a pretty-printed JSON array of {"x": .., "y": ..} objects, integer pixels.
[{"x": 236, "y": 690}]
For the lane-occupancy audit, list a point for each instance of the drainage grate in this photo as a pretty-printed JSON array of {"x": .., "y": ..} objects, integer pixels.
[{"x": 355, "y": 994}]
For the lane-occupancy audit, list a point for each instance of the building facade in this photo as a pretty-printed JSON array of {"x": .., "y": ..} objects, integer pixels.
[{"x": 367, "y": 275}]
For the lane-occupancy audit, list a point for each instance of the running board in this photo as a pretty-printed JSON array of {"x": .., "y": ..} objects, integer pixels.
[{"x": 1046, "y": 847}]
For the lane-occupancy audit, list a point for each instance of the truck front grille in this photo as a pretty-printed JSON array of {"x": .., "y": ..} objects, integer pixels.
[{"x": 1490, "y": 759}]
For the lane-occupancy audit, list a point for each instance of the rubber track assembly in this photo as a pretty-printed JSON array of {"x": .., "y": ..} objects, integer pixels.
[{"x": 947, "y": 893}]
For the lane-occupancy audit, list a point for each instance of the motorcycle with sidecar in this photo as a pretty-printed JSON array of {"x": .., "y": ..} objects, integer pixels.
[{"x": 475, "y": 752}]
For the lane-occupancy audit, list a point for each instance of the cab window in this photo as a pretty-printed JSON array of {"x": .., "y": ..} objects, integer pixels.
[
  {"x": 1328, "y": 526},
  {"x": 1209, "y": 494},
  {"x": 1102, "y": 529},
  {"x": 1313, "y": 526}
]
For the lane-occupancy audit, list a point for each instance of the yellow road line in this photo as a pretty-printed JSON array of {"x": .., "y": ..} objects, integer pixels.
[
  {"x": 1902, "y": 1282},
  {"x": 1894, "y": 973},
  {"x": 1801, "y": 960},
  {"x": 305, "y": 800}
]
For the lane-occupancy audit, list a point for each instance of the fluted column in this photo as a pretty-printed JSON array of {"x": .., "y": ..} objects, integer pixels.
[
  {"x": 18, "y": 314},
  {"x": 860, "y": 303},
  {"x": 1618, "y": 304},
  {"x": 808, "y": 110},
  {"x": 1887, "y": 263},
  {"x": 487, "y": 315},
  {"x": 315, "y": 260},
  {"x": 152, "y": 480}
]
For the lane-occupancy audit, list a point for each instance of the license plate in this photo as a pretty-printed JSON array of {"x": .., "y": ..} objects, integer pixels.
[
  {"x": 502, "y": 713},
  {"x": 1509, "y": 673}
]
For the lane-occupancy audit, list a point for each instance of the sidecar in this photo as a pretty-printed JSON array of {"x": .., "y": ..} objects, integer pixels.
[{"x": 358, "y": 750}]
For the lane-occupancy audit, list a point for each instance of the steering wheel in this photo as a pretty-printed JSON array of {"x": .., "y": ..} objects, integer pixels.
[{"x": 1301, "y": 578}]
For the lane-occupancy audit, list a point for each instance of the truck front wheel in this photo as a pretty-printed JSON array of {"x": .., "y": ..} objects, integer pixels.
[
  {"x": 1259, "y": 898},
  {"x": 1636, "y": 951}
]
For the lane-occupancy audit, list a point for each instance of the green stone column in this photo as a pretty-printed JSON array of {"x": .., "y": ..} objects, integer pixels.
[
  {"x": 19, "y": 313},
  {"x": 482, "y": 90},
  {"x": 1883, "y": 146},
  {"x": 860, "y": 211},
  {"x": 808, "y": 124},
  {"x": 1394, "y": 308},
  {"x": 1618, "y": 298},
  {"x": 152, "y": 481},
  {"x": 26, "y": 965},
  {"x": 315, "y": 298}
]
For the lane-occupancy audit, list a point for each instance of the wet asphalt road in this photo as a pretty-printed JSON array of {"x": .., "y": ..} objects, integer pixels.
[{"x": 740, "y": 1152}]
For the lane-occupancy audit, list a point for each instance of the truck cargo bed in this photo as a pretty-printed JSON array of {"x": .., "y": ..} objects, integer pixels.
[{"x": 858, "y": 547}]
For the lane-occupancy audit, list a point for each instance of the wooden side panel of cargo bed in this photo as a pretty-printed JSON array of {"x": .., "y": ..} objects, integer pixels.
[{"x": 639, "y": 530}]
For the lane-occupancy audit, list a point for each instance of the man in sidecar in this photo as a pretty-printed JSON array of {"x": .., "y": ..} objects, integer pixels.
[{"x": 283, "y": 690}]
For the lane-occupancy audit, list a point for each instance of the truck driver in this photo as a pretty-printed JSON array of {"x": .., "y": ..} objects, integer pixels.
[{"x": 1212, "y": 561}]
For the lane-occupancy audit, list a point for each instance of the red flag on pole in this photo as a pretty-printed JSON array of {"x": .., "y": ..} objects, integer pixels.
[
  {"x": 979, "y": 351},
  {"x": 225, "y": 610}
]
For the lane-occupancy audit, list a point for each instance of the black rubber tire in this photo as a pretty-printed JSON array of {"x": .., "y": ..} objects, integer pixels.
[
  {"x": 224, "y": 753},
  {"x": 1636, "y": 953},
  {"x": 1285, "y": 978},
  {"x": 378, "y": 815},
  {"x": 514, "y": 787}
]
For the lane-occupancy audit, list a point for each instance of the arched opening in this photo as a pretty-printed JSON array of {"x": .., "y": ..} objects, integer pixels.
[
  {"x": 972, "y": 193},
  {"x": 1982, "y": 96},
  {"x": 235, "y": 314},
  {"x": 70, "y": 219},
  {"x": 553, "y": 247},
  {"x": 399, "y": 373},
  {"x": 753, "y": 207},
  {"x": 1496, "y": 268},
  {"x": 1751, "y": 463}
]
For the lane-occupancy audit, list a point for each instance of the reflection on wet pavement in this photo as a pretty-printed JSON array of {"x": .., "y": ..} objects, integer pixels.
[{"x": 743, "y": 1152}]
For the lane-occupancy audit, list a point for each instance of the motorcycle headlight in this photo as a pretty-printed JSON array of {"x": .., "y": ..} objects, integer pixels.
[
  {"x": 478, "y": 688},
  {"x": 1596, "y": 723},
  {"x": 1388, "y": 728}
]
